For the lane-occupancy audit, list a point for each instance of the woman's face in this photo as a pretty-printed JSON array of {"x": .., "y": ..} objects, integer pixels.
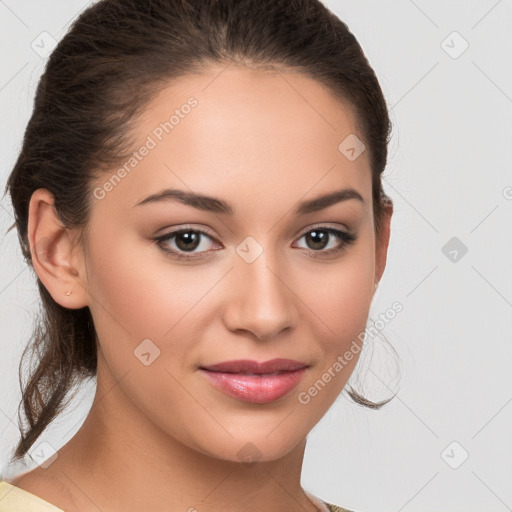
[{"x": 266, "y": 282}]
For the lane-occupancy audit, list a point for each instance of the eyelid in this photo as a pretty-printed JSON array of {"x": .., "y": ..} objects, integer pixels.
[
  {"x": 187, "y": 227},
  {"x": 323, "y": 225}
]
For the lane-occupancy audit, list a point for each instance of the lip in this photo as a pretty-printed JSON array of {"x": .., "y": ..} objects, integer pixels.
[{"x": 251, "y": 381}]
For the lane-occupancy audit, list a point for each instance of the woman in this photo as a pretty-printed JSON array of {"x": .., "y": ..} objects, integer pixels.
[{"x": 199, "y": 194}]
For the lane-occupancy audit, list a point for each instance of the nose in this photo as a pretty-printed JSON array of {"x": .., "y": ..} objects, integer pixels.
[{"x": 262, "y": 300}]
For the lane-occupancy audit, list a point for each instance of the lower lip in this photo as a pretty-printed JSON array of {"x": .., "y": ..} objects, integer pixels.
[{"x": 254, "y": 388}]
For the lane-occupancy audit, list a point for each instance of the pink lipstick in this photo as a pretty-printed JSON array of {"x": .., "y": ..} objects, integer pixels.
[{"x": 255, "y": 382}]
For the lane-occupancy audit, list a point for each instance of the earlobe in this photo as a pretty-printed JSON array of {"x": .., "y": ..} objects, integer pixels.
[{"x": 53, "y": 252}]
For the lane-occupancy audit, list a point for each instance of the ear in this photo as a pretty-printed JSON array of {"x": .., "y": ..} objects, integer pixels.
[
  {"x": 381, "y": 244},
  {"x": 56, "y": 258}
]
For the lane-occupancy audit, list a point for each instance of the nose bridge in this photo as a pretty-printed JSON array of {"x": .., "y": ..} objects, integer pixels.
[{"x": 262, "y": 302}]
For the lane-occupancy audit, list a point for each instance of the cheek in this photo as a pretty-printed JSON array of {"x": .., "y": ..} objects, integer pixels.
[
  {"x": 133, "y": 301},
  {"x": 136, "y": 294},
  {"x": 341, "y": 295},
  {"x": 134, "y": 289}
]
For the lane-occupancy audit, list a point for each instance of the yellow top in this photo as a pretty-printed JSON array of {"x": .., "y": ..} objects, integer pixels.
[{"x": 14, "y": 499}]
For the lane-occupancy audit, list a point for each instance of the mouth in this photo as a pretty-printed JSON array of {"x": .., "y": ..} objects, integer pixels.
[{"x": 255, "y": 382}]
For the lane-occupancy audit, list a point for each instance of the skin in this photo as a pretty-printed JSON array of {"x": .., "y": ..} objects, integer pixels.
[{"x": 160, "y": 437}]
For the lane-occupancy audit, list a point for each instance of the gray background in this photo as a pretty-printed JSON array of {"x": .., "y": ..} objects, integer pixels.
[{"x": 449, "y": 176}]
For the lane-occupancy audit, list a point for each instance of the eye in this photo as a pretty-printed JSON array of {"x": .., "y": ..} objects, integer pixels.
[
  {"x": 321, "y": 237},
  {"x": 185, "y": 240}
]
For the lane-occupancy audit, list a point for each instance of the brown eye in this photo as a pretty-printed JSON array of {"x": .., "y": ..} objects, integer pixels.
[
  {"x": 187, "y": 240},
  {"x": 318, "y": 238},
  {"x": 184, "y": 240},
  {"x": 182, "y": 243}
]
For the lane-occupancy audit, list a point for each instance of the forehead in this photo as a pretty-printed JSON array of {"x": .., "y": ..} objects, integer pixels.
[{"x": 239, "y": 130}]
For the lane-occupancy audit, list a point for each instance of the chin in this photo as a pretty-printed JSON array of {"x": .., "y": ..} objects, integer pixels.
[{"x": 250, "y": 449}]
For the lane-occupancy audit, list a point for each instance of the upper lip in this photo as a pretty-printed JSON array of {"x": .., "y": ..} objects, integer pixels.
[{"x": 247, "y": 366}]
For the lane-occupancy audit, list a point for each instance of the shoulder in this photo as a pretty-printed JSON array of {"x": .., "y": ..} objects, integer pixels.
[
  {"x": 14, "y": 499},
  {"x": 35, "y": 492}
]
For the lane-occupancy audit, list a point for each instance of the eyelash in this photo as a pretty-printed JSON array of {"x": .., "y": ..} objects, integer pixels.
[{"x": 344, "y": 236}]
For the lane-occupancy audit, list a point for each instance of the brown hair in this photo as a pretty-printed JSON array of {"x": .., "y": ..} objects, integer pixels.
[{"x": 115, "y": 57}]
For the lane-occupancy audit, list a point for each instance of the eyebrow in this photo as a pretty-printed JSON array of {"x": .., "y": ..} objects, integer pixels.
[{"x": 215, "y": 205}]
